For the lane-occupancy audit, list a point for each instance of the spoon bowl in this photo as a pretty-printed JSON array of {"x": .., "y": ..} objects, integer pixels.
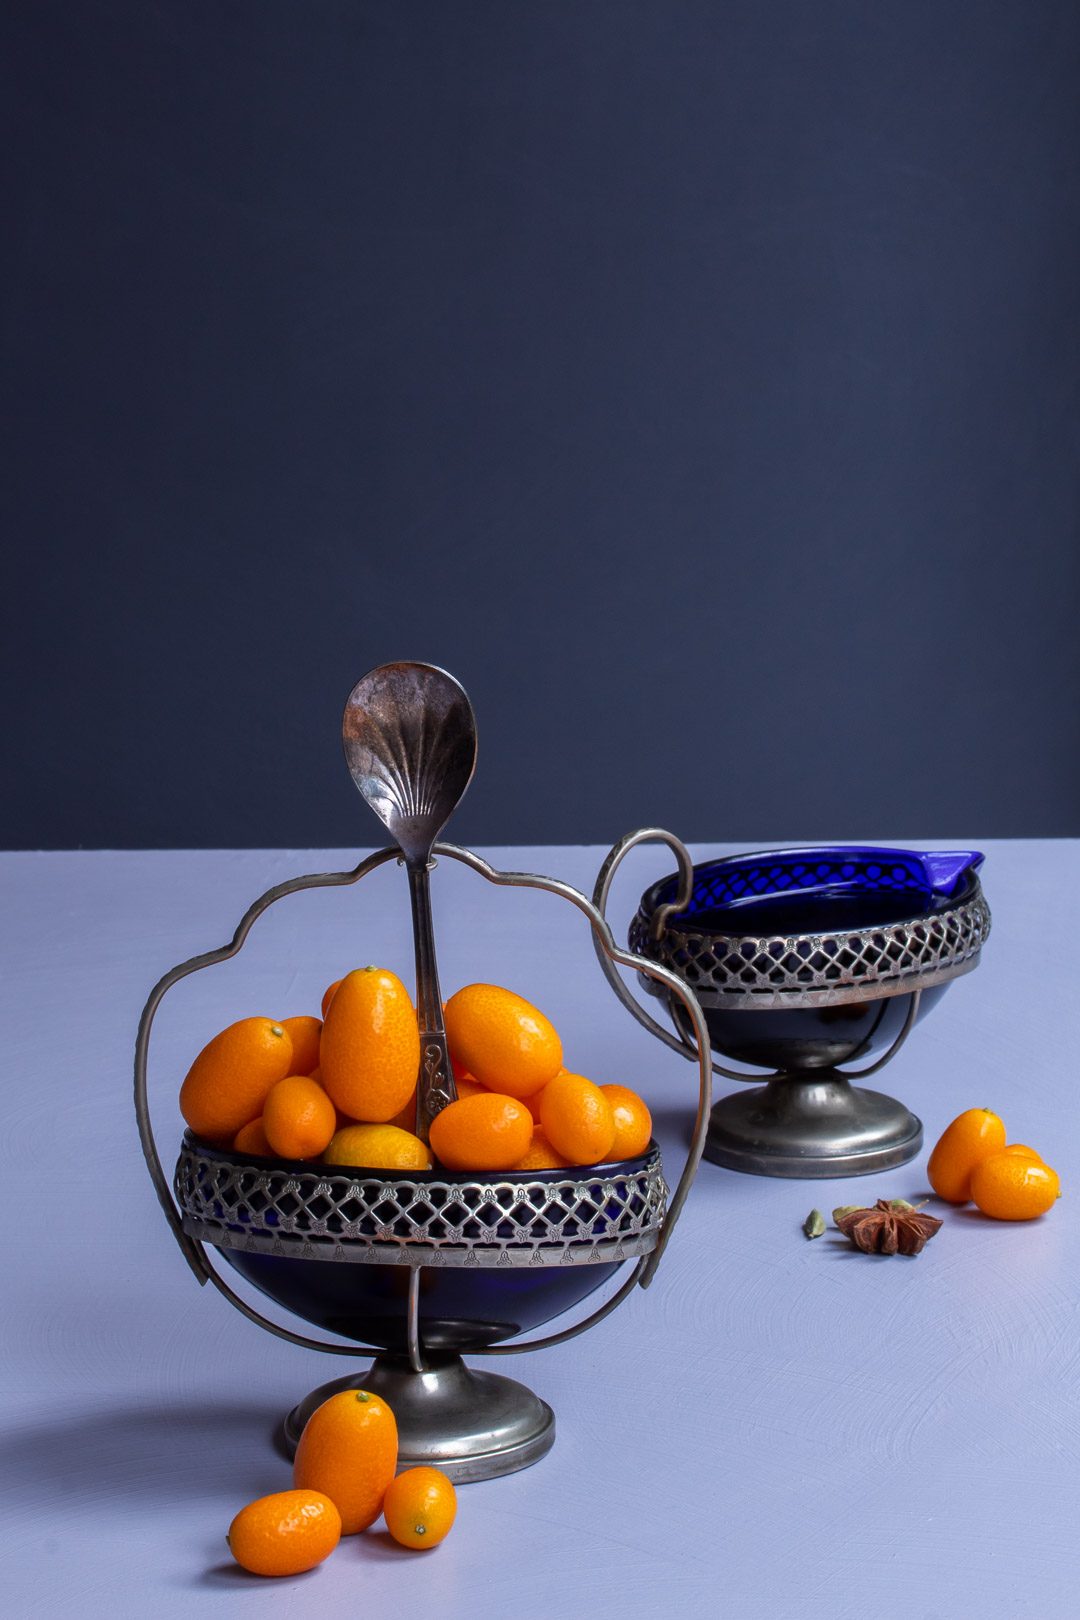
[{"x": 409, "y": 735}]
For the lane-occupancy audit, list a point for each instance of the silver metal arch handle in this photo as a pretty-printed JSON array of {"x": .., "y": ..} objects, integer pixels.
[
  {"x": 679, "y": 1041},
  {"x": 194, "y": 1251},
  {"x": 613, "y": 861},
  {"x": 191, "y": 1248},
  {"x": 611, "y": 954},
  {"x": 887, "y": 1056}
]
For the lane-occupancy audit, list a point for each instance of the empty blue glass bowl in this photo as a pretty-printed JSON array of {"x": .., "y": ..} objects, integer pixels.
[{"x": 804, "y": 959}]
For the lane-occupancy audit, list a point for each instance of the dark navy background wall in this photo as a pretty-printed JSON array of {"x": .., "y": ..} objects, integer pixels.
[{"x": 697, "y": 379}]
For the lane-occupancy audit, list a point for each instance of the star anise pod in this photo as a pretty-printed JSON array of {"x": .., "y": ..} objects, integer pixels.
[{"x": 891, "y": 1226}]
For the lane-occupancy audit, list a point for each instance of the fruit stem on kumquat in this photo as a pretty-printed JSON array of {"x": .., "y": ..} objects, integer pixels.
[{"x": 420, "y": 1507}]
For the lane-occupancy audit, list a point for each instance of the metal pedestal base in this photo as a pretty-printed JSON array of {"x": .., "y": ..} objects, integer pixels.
[
  {"x": 472, "y": 1425},
  {"x": 812, "y": 1127}
]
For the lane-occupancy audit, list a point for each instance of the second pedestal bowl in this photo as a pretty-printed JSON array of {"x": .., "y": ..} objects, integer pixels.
[{"x": 806, "y": 959}]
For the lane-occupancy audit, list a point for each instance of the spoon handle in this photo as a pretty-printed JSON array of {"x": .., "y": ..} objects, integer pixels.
[{"x": 435, "y": 1086}]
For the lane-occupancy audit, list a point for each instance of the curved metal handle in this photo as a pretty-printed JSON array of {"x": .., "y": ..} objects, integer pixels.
[
  {"x": 280, "y": 1332},
  {"x": 679, "y": 1041},
  {"x": 887, "y": 1057},
  {"x": 194, "y": 1251},
  {"x": 589, "y": 1321},
  {"x": 600, "y": 898},
  {"x": 191, "y": 1248},
  {"x": 609, "y": 952}
]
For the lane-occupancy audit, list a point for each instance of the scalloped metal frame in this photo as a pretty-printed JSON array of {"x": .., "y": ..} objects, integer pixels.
[{"x": 192, "y": 1246}]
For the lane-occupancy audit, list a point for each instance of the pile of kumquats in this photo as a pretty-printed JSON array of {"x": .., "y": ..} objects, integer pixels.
[
  {"x": 343, "y": 1090},
  {"x": 974, "y": 1162},
  {"x": 343, "y": 1479}
]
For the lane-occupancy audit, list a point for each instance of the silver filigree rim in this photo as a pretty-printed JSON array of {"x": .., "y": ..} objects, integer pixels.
[
  {"x": 624, "y": 1224},
  {"x": 819, "y": 970}
]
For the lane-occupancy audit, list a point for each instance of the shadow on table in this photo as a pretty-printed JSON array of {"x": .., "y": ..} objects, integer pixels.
[
  {"x": 145, "y": 1456},
  {"x": 374, "y": 1546},
  {"x": 229, "y": 1577}
]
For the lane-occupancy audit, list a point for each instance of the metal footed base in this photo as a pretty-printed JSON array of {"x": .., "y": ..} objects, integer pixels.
[
  {"x": 472, "y": 1425},
  {"x": 814, "y": 1129}
]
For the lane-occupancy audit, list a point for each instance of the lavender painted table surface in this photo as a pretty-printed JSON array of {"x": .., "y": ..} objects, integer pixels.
[{"x": 777, "y": 1428}]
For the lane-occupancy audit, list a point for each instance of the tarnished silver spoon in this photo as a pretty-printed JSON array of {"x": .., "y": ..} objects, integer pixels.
[{"x": 410, "y": 744}]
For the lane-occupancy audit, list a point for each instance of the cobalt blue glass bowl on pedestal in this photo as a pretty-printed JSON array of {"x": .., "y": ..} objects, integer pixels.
[
  {"x": 806, "y": 959},
  {"x": 286, "y": 1227},
  {"x": 424, "y": 1267}
]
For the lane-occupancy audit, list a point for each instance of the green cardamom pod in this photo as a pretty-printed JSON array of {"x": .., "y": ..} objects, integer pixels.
[
  {"x": 845, "y": 1209},
  {"x": 814, "y": 1224},
  {"x": 900, "y": 1203}
]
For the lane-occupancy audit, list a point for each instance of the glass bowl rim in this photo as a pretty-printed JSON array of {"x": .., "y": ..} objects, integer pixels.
[{"x": 661, "y": 892}]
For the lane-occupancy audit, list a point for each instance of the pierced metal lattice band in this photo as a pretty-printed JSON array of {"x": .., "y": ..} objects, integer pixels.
[
  {"x": 857, "y": 964},
  {"x": 610, "y": 1214}
]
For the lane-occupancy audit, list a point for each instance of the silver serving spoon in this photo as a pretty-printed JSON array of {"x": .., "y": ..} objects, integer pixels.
[{"x": 410, "y": 743}]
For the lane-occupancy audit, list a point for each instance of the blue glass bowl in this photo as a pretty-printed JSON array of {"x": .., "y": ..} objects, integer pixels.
[
  {"x": 804, "y": 959},
  {"x": 462, "y": 1306},
  {"x": 460, "y": 1310}
]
